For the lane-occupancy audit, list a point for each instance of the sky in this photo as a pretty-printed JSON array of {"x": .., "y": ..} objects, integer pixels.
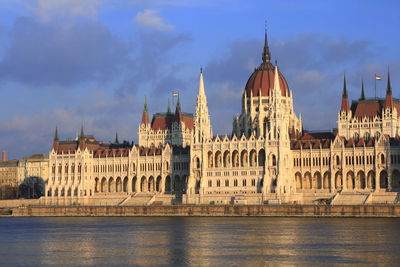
[{"x": 66, "y": 63}]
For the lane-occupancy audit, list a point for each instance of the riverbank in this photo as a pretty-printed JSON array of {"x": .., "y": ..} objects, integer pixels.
[{"x": 390, "y": 210}]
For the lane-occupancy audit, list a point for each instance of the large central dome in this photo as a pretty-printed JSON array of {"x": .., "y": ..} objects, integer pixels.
[{"x": 262, "y": 79}]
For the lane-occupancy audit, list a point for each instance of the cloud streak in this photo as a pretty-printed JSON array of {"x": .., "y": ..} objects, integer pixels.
[{"x": 150, "y": 18}]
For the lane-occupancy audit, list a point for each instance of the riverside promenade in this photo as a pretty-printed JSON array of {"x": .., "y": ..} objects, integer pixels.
[{"x": 388, "y": 210}]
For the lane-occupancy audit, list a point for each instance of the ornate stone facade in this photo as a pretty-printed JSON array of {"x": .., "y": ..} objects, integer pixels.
[{"x": 268, "y": 157}]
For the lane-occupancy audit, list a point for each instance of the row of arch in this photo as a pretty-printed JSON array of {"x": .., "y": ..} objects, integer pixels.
[
  {"x": 235, "y": 159},
  {"x": 352, "y": 181},
  {"x": 144, "y": 184},
  {"x": 67, "y": 192}
]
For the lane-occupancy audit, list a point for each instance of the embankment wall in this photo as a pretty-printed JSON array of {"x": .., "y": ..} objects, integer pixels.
[{"x": 210, "y": 210}]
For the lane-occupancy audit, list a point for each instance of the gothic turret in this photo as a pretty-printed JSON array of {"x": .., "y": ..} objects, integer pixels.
[{"x": 202, "y": 125}]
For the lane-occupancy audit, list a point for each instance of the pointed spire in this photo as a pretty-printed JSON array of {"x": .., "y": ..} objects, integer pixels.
[
  {"x": 389, "y": 99},
  {"x": 168, "y": 107},
  {"x": 266, "y": 56},
  {"x": 344, "y": 95},
  {"x": 145, "y": 114},
  {"x": 362, "y": 91},
  {"x": 345, "y": 101},
  {"x": 201, "y": 83},
  {"x": 116, "y": 138},
  {"x": 145, "y": 105},
  {"x": 82, "y": 134},
  {"x": 389, "y": 87},
  {"x": 56, "y": 134},
  {"x": 277, "y": 86},
  {"x": 178, "y": 105}
]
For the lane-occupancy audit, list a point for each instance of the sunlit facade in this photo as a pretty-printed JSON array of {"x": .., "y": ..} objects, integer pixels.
[{"x": 267, "y": 158}]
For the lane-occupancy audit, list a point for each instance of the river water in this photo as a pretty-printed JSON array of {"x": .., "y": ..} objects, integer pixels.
[{"x": 189, "y": 241}]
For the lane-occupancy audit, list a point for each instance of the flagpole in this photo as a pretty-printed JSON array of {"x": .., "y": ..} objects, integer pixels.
[{"x": 375, "y": 85}]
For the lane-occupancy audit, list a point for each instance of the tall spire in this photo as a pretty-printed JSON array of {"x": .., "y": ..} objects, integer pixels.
[
  {"x": 116, "y": 138},
  {"x": 145, "y": 114},
  {"x": 362, "y": 91},
  {"x": 82, "y": 134},
  {"x": 345, "y": 101},
  {"x": 145, "y": 104},
  {"x": 389, "y": 99},
  {"x": 168, "y": 108},
  {"x": 202, "y": 125},
  {"x": 56, "y": 134},
  {"x": 55, "y": 141},
  {"x": 178, "y": 105},
  {"x": 201, "y": 83},
  {"x": 266, "y": 56},
  {"x": 277, "y": 87},
  {"x": 389, "y": 87},
  {"x": 344, "y": 95}
]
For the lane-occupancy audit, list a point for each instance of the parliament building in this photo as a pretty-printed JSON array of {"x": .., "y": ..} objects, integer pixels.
[{"x": 267, "y": 158}]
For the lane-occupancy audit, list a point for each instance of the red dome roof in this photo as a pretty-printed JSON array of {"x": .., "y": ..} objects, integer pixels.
[{"x": 263, "y": 79}]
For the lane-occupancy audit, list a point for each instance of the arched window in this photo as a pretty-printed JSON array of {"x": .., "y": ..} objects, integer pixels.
[
  {"x": 265, "y": 127},
  {"x": 382, "y": 159},
  {"x": 209, "y": 183},
  {"x": 273, "y": 160},
  {"x": 218, "y": 183},
  {"x": 367, "y": 136},
  {"x": 235, "y": 182},
  {"x": 226, "y": 182},
  {"x": 356, "y": 137},
  {"x": 377, "y": 135},
  {"x": 337, "y": 160}
]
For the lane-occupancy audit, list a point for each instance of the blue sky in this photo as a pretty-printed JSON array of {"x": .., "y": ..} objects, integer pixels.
[{"x": 69, "y": 62}]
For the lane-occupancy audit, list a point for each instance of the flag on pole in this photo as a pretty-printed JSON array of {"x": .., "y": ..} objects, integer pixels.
[
  {"x": 378, "y": 77},
  {"x": 175, "y": 94}
]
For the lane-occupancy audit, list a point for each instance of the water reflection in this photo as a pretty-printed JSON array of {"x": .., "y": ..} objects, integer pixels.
[{"x": 198, "y": 241}]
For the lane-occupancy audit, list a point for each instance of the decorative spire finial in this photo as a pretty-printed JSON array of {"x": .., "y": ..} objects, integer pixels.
[
  {"x": 168, "y": 108},
  {"x": 82, "y": 134},
  {"x": 266, "y": 56},
  {"x": 56, "y": 134},
  {"x": 145, "y": 105},
  {"x": 389, "y": 87},
  {"x": 344, "y": 95},
  {"x": 116, "y": 138},
  {"x": 178, "y": 104},
  {"x": 362, "y": 90}
]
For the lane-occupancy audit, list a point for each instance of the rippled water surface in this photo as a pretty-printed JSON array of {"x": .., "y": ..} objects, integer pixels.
[{"x": 188, "y": 241}]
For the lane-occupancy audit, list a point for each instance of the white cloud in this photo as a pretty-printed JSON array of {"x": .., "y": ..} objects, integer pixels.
[
  {"x": 49, "y": 9},
  {"x": 150, "y": 18}
]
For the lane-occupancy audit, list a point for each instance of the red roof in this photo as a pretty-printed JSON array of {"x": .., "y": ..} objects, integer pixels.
[
  {"x": 263, "y": 79},
  {"x": 163, "y": 121},
  {"x": 372, "y": 107},
  {"x": 345, "y": 104},
  {"x": 98, "y": 148}
]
